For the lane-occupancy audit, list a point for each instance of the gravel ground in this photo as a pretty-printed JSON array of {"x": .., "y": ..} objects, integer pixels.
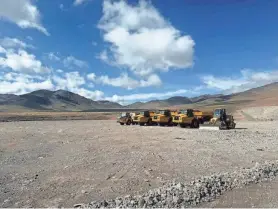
[
  {"x": 262, "y": 113},
  {"x": 61, "y": 163}
]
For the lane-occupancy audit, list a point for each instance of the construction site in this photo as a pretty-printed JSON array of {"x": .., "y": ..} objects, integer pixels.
[{"x": 100, "y": 163}]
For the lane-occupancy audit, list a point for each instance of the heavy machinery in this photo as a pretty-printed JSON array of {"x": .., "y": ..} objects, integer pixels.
[
  {"x": 203, "y": 116},
  {"x": 162, "y": 118},
  {"x": 124, "y": 118},
  {"x": 144, "y": 118},
  {"x": 173, "y": 114},
  {"x": 186, "y": 118},
  {"x": 220, "y": 121}
]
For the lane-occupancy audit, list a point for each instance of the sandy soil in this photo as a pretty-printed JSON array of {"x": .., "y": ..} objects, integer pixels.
[{"x": 61, "y": 163}]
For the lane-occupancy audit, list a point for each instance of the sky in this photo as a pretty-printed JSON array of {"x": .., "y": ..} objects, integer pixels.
[{"x": 128, "y": 51}]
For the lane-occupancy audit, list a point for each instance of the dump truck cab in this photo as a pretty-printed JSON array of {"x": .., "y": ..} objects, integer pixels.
[
  {"x": 203, "y": 116},
  {"x": 124, "y": 118},
  {"x": 144, "y": 118},
  {"x": 162, "y": 117},
  {"x": 186, "y": 118}
]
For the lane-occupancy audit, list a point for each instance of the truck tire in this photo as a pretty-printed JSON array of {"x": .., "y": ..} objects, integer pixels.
[
  {"x": 128, "y": 122},
  {"x": 122, "y": 124},
  {"x": 141, "y": 124},
  {"x": 194, "y": 123}
]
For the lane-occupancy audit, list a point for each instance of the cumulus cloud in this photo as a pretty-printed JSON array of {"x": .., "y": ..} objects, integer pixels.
[
  {"x": 18, "y": 83},
  {"x": 125, "y": 81},
  {"x": 147, "y": 96},
  {"x": 79, "y": 2},
  {"x": 22, "y": 61},
  {"x": 248, "y": 79},
  {"x": 8, "y": 42},
  {"x": 142, "y": 40},
  {"x": 91, "y": 77},
  {"x": 74, "y": 82},
  {"x": 23, "y": 13},
  {"x": 71, "y": 62}
]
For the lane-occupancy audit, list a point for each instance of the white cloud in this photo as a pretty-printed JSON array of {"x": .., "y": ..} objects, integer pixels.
[
  {"x": 18, "y": 83},
  {"x": 73, "y": 82},
  {"x": 23, "y": 13},
  {"x": 147, "y": 96},
  {"x": 142, "y": 40},
  {"x": 22, "y": 61},
  {"x": 79, "y": 2},
  {"x": 125, "y": 81},
  {"x": 52, "y": 56},
  {"x": 91, "y": 77},
  {"x": 2, "y": 50},
  {"x": 59, "y": 71},
  {"x": 29, "y": 38},
  {"x": 247, "y": 80},
  {"x": 72, "y": 62},
  {"x": 8, "y": 42}
]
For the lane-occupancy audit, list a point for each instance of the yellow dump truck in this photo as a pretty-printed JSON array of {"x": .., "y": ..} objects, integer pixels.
[
  {"x": 186, "y": 118},
  {"x": 144, "y": 118},
  {"x": 174, "y": 113},
  {"x": 203, "y": 116},
  {"x": 162, "y": 118}
]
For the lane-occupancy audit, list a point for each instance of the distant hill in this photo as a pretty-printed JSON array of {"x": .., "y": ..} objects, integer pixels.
[
  {"x": 67, "y": 101},
  {"x": 264, "y": 95},
  {"x": 60, "y": 100}
]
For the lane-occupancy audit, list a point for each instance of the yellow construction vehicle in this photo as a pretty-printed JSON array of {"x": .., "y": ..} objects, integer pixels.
[
  {"x": 173, "y": 114},
  {"x": 162, "y": 118},
  {"x": 144, "y": 118},
  {"x": 186, "y": 118},
  {"x": 220, "y": 121},
  {"x": 124, "y": 118},
  {"x": 203, "y": 116}
]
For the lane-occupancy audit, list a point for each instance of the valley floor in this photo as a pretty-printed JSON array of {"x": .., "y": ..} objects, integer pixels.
[{"x": 61, "y": 163}]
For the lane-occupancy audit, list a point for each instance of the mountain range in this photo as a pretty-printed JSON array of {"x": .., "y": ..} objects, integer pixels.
[{"x": 61, "y": 100}]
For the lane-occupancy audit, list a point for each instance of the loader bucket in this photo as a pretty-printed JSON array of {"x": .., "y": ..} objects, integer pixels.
[{"x": 209, "y": 127}]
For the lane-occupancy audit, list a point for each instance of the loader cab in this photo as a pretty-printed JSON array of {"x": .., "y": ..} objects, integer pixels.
[{"x": 217, "y": 113}]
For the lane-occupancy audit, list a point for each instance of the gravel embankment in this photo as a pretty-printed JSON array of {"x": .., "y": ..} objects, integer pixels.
[
  {"x": 262, "y": 113},
  {"x": 205, "y": 189}
]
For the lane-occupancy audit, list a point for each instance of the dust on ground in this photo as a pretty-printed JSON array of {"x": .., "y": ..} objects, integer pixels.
[{"x": 61, "y": 163}]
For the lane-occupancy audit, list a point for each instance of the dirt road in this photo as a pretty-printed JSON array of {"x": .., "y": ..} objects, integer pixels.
[{"x": 61, "y": 163}]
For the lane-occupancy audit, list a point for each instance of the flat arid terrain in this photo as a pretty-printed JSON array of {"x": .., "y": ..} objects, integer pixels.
[{"x": 63, "y": 163}]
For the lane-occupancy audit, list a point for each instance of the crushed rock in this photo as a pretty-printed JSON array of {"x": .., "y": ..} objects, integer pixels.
[{"x": 204, "y": 189}]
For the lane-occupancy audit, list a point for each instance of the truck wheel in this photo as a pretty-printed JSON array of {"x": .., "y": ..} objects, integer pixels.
[
  {"x": 160, "y": 124},
  {"x": 128, "y": 122},
  {"x": 141, "y": 124},
  {"x": 194, "y": 124},
  {"x": 149, "y": 123},
  {"x": 182, "y": 125},
  {"x": 122, "y": 124}
]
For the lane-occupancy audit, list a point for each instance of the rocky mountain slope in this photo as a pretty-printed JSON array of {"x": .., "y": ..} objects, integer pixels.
[{"x": 52, "y": 100}]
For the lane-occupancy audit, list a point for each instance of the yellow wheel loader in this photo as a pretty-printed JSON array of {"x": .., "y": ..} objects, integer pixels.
[
  {"x": 220, "y": 121},
  {"x": 144, "y": 118},
  {"x": 124, "y": 118},
  {"x": 186, "y": 118},
  {"x": 162, "y": 118}
]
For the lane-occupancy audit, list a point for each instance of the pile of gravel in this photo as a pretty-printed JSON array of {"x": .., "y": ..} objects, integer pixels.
[{"x": 204, "y": 189}]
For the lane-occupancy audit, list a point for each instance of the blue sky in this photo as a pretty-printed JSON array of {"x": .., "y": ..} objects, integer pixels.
[{"x": 128, "y": 51}]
